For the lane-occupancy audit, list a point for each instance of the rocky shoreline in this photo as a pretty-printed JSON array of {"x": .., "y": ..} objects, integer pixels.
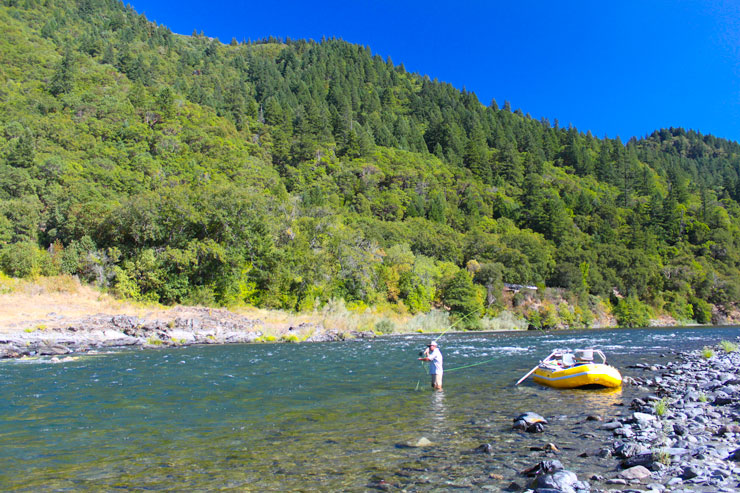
[
  {"x": 684, "y": 436},
  {"x": 188, "y": 327}
]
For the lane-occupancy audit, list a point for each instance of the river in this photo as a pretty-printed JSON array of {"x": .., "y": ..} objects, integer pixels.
[{"x": 311, "y": 416}]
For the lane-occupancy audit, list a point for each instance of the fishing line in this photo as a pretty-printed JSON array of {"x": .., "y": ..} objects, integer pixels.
[
  {"x": 471, "y": 365},
  {"x": 451, "y": 326},
  {"x": 440, "y": 337},
  {"x": 424, "y": 369}
]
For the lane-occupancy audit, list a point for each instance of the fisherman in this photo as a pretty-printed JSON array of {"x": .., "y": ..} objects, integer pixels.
[{"x": 434, "y": 356}]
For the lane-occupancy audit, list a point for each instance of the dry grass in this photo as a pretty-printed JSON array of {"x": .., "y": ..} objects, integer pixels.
[{"x": 53, "y": 300}]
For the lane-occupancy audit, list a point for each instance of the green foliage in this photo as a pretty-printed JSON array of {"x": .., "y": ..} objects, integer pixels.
[
  {"x": 728, "y": 347},
  {"x": 702, "y": 310},
  {"x": 26, "y": 260},
  {"x": 384, "y": 326},
  {"x": 661, "y": 406},
  {"x": 631, "y": 312},
  {"x": 460, "y": 296},
  {"x": 284, "y": 174},
  {"x": 707, "y": 352}
]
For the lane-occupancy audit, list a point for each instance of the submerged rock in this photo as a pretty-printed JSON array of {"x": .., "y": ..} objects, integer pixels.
[
  {"x": 486, "y": 448},
  {"x": 421, "y": 442}
]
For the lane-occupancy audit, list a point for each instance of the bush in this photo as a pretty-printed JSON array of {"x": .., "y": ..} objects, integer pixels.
[
  {"x": 385, "y": 326},
  {"x": 25, "y": 259},
  {"x": 728, "y": 347},
  {"x": 702, "y": 311},
  {"x": 631, "y": 312}
]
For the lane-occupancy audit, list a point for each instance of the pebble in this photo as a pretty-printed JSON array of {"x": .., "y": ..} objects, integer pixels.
[{"x": 693, "y": 444}]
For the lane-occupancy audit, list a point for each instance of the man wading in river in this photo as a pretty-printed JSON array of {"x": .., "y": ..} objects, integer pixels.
[{"x": 434, "y": 356}]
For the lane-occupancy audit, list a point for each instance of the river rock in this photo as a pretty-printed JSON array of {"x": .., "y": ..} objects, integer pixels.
[
  {"x": 563, "y": 481},
  {"x": 544, "y": 467},
  {"x": 690, "y": 472},
  {"x": 636, "y": 472},
  {"x": 734, "y": 455},
  {"x": 646, "y": 460},
  {"x": 54, "y": 350},
  {"x": 530, "y": 422},
  {"x": 627, "y": 450},
  {"x": 486, "y": 448},
  {"x": 421, "y": 442}
]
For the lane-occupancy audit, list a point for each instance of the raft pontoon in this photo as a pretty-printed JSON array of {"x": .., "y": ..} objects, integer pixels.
[{"x": 569, "y": 370}]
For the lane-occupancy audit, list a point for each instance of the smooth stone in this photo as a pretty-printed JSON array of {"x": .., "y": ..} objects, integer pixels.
[{"x": 636, "y": 472}]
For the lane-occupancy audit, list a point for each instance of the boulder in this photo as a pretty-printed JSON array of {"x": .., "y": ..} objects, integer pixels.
[
  {"x": 530, "y": 422},
  {"x": 564, "y": 481},
  {"x": 637, "y": 472}
]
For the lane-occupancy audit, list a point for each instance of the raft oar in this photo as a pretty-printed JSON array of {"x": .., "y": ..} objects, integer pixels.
[{"x": 533, "y": 369}]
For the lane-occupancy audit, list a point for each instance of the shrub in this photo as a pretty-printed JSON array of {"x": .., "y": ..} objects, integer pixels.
[
  {"x": 433, "y": 321},
  {"x": 728, "y": 347},
  {"x": 385, "y": 326},
  {"x": 661, "y": 407},
  {"x": 702, "y": 311},
  {"x": 25, "y": 259},
  {"x": 663, "y": 457},
  {"x": 707, "y": 352},
  {"x": 631, "y": 312}
]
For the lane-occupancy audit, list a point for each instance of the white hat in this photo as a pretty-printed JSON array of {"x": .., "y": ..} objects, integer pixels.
[{"x": 433, "y": 343}]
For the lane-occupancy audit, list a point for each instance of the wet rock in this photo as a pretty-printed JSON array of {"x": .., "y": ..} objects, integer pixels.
[
  {"x": 421, "y": 442},
  {"x": 486, "y": 448},
  {"x": 530, "y": 422},
  {"x": 543, "y": 467}
]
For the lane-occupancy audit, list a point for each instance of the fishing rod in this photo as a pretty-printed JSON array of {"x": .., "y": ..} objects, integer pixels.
[
  {"x": 463, "y": 318},
  {"x": 423, "y": 353}
]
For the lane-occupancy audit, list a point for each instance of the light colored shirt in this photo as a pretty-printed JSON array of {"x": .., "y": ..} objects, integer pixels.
[{"x": 435, "y": 362}]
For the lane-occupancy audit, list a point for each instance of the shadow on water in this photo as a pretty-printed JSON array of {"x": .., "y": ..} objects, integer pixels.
[{"x": 315, "y": 417}]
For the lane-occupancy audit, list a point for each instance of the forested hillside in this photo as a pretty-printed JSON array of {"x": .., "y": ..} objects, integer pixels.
[{"x": 286, "y": 173}]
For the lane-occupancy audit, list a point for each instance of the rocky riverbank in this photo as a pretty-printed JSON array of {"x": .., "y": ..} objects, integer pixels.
[
  {"x": 183, "y": 326},
  {"x": 683, "y": 436}
]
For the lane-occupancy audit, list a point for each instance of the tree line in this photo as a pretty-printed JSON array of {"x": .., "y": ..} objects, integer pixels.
[{"x": 286, "y": 173}]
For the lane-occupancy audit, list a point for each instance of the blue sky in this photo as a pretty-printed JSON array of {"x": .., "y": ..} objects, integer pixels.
[{"x": 621, "y": 68}]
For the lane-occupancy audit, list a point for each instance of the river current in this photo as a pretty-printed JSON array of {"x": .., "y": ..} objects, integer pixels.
[{"x": 311, "y": 416}]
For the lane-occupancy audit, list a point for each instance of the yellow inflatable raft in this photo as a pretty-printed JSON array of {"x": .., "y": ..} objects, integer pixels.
[{"x": 566, "y": 370}]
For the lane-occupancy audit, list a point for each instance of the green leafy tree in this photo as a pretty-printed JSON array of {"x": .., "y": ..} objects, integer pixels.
[{"x": 461, "y": 297}]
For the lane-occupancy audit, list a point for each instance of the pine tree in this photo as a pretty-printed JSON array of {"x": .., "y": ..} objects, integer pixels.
[{"x": 63, "y": 78}]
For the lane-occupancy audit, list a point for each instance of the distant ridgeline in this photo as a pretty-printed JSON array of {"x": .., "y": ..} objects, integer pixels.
[{"x": 285, "y": 173}]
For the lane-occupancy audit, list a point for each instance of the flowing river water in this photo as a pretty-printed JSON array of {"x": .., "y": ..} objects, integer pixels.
[{"x": 311, "y": 416}]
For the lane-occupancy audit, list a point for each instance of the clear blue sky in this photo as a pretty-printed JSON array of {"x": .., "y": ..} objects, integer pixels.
[{"x": 616, "y": 68}]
